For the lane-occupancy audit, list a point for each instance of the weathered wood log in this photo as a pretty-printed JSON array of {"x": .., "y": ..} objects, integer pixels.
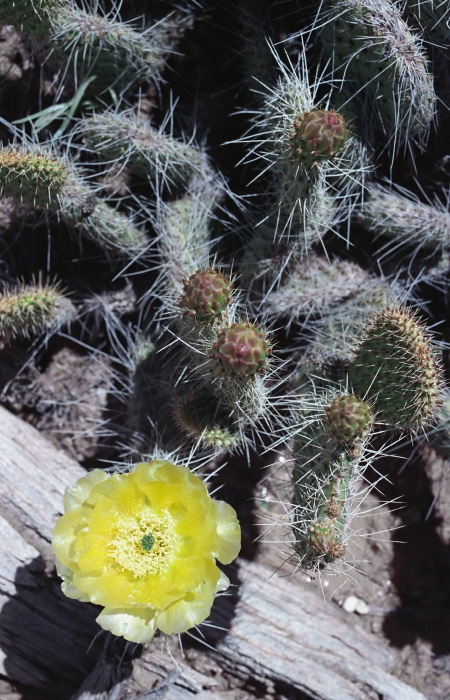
[{"x": 276, "y": 637}]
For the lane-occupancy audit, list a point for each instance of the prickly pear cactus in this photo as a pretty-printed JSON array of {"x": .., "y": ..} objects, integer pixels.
[{"x": 243, "y": 201}]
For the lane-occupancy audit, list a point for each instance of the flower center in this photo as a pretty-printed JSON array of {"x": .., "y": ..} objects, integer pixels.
[{"x": 145, "y": 544}]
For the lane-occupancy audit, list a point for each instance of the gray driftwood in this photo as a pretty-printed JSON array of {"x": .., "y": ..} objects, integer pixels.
[{"x": 278, "y": 639}]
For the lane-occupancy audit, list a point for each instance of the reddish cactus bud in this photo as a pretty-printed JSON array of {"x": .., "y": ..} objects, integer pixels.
[
  {"x": 206, "y": 295},
  {"x": 241, "y": 351},
  {"x": 318, "y": 135}
]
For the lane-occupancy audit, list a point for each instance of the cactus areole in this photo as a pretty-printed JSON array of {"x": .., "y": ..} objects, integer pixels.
[
  {"x": 241, "y": 351},
  {"x": 318, "y": 135}
]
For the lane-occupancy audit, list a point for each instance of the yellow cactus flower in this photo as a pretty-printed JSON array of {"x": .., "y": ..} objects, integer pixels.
[{"x": 144, "y": 546}]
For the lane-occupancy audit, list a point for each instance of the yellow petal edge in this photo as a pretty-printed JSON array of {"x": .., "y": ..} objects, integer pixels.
[{"x": 144, "y": 546}]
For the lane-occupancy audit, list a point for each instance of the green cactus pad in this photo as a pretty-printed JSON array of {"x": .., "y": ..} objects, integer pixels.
[
  {"x": 121, "y": 137},
  {"x": 349, "y": 418},
  {"x": 395, "y": 369},
  {"x": 34, "y": 17},
  {"x": 377, "y": 53},
  {"x": 32, "y": 176},
  {"x": 241, "y": 351},
  {"x": 30, "y": 309},
  {"x": 318, "y": 135},
  {"x": 206, "y": 295}
]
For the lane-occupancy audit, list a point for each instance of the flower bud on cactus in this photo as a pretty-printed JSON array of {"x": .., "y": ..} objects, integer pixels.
[
  {"x": 241, "y": 351},
  {"x": 396, "y": 369},
  {"x": 349, "y": 418},
  {"x": 206, "y": 295},
  {"x": 318, "y": 135}
]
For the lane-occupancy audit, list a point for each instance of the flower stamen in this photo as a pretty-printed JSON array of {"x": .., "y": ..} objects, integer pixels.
[{"x": 145, "y": 544}]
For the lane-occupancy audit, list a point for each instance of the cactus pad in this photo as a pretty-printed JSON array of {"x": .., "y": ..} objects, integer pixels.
[
  {"x": 206, "y": 295},
  {"x": 32, "y": 176},
  {"x": 396, "y": 369},
  {"x": 33, "y": 308},
  {"x": 318, "y": 135},
  {"x": 241, "y": 351}
]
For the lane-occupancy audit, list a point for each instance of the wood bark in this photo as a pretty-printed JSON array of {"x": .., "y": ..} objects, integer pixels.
[{"x": 272, "y": 637}]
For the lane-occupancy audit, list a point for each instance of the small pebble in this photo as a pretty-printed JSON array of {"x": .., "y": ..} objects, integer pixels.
[{"x": 353, "y": 604}]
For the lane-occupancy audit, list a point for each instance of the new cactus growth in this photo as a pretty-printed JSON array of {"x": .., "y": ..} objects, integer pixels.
[
  {"x": 206, "y": 295},
  {"x": 397, "y": 370},
  {"x": 318, "y": 135},
  {"x": 241, "y": 351},
  {"x": 324, "y": 538}
]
